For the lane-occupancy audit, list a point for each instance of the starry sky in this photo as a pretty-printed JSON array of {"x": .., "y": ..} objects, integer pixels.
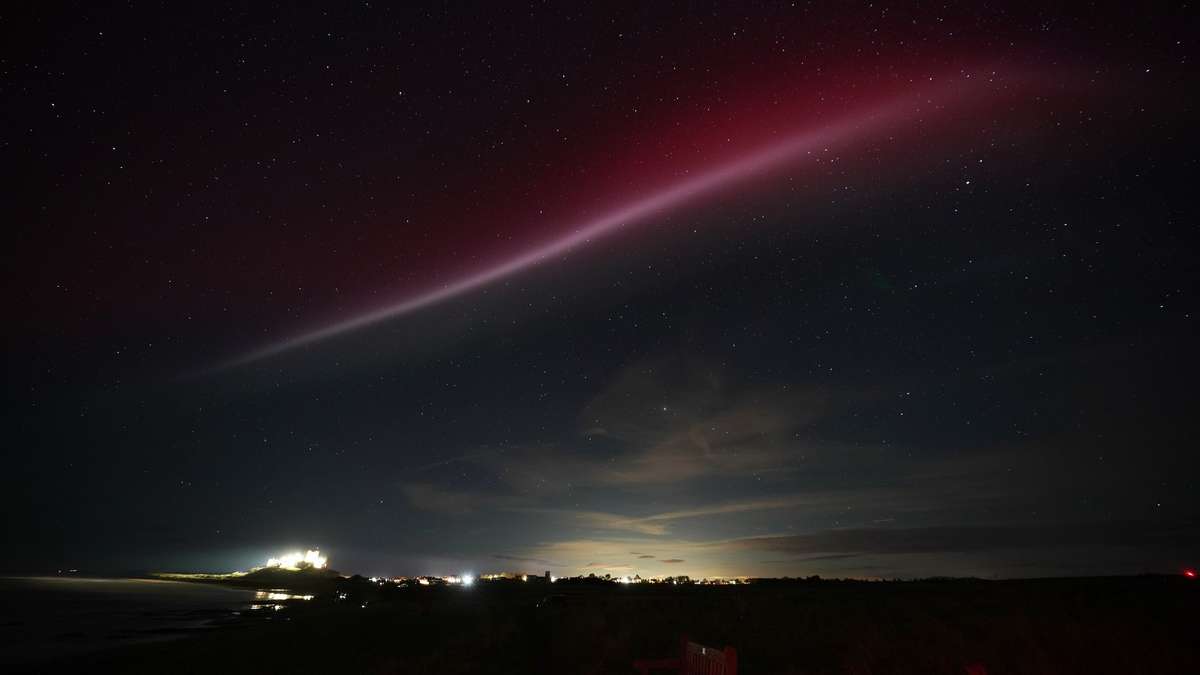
[{"x": 717, "y": 289}]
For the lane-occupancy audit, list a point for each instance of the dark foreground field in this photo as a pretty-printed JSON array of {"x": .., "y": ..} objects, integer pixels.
[{"x": 1123, "y": 625}]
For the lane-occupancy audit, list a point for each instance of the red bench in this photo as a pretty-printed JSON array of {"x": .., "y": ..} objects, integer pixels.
[{"x": 693, "y": 659}]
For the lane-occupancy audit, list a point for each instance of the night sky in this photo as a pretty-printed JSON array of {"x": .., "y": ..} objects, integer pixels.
[{"x": 711, "y": 290}]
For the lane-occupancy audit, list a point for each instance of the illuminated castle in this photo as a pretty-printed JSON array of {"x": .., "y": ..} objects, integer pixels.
[{"x": 300, "y": 561}]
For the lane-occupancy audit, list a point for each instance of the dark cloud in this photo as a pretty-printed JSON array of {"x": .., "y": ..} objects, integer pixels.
[
  {"x": 535, "y": 561},
  {"x": 427, "y": 497},
  {"x": 815, "y": 558},
  {"x": 673, "y": 560},
  {"x": 967, "y": 539},
  {"x": 434, "y": 498},
  {"x": 607, "y": 566}
]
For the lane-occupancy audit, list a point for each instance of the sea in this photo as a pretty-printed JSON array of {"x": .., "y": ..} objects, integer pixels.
[{"x": 49, "y": 618}]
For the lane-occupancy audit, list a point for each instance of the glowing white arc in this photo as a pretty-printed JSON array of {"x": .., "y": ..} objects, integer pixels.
[{"x": 754, "y": 163}]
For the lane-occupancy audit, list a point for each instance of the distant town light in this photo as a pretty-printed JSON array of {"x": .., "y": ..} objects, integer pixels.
[{"x": 467, "y": 580}]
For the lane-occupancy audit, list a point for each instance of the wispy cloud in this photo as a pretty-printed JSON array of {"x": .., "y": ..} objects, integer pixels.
[
  {"x": 682, "y": 420},
  {"x": 666, "y": 422},
  {"x": 658, "y": 524},
  {"x": 582, "y": 553},
  {"x": 607, "y": 566},
  {"x": 535, "y": 561}
]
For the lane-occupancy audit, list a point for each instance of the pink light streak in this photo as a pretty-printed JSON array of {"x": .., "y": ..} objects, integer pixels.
[{"x": 757, "y": 162}]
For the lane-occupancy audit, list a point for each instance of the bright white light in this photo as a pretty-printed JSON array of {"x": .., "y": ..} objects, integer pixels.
[
  {"x": 297, "y": 560},
  {"x": 467, "y": 580}
]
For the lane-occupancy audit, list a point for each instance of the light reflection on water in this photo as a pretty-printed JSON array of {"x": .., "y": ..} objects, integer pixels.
[
  {"x": 271, "y": 599},
  {"x": 280, "y": 595}
]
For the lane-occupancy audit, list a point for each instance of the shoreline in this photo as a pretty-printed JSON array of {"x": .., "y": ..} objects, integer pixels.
[{"x": 48, "y": 618}]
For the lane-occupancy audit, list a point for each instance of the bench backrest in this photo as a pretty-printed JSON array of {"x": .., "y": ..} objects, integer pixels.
[{"x": 701, "y": 660}]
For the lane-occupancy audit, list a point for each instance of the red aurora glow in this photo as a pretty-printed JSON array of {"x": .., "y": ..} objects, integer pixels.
[{"x": 792, "y": 151}]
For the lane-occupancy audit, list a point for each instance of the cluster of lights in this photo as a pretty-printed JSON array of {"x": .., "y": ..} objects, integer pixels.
[
  {"x": 503, "y": 576},
  {"x": 298, "y": 560},
  {"x": 718, "y": 581},
  {"x": 314, "y": 558},
  {"x": 469, "y": 579}
]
